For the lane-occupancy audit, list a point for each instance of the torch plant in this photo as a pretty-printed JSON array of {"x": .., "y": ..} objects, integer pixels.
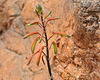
[{"x": 43, "y": 37}]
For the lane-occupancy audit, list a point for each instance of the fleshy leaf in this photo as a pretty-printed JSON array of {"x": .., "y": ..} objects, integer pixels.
[
  {"x": 36, "y": 12},
  {"x": 43, "y": 60},
  {"x": 34, "y": 23},
  {"x": 41, "y": 37},
  {"x": 61, "y": 33},
  {"x": 39, "y": 56},
  {"x": 53, "y": 19},
  {"x": 32, "y": 57},
  {"x": 34, "y": 44},
  {"x": 28, "y": 35},
  {"x": 39, "y": 8},
  {"x": 47, "y": 14},
  {"x": 55, "y": 48}
]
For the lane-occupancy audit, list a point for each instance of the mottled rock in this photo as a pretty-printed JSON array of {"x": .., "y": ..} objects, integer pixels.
[{"x": 77, "y": 58}]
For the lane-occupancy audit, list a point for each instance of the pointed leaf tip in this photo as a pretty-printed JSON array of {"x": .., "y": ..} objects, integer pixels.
[
  {"x": 58, "y": 18},
  {"x": 53, "y": 19},
  {"x": 34, "y": 23},
  {"x": 28, "y": 24},
  {"x": 47, "y": 14},
  {"x": 61, "y": 33}
]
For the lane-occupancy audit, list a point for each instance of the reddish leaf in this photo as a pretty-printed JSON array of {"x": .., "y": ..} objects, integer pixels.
[
  {"x": 39, "y": 56},
  {"x": 61, "y": 33},
  {"x": 34, "y": 44},
  {"x": 43, "y": 59},
  {"x": 53, "y": 19},
  {"x": 32, "y": 57},
  {"x": 41, "y": 36},
  {"x": 28, "y": 35},
  {"x": 51, "y": 36},
  {"x": 50, "y": 45}
]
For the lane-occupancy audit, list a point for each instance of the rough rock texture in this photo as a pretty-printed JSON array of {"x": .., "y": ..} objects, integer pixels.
[{"x": 78, "y": 58}]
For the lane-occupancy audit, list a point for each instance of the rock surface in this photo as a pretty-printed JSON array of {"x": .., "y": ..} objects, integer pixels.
[{"x": 78, "y": 58}]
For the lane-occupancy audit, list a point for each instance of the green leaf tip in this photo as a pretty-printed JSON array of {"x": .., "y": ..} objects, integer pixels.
[
  {"x": 39, "y": 8},
  {"x": 29, "y": 24},
  {"x": 34, "y": 44},
  {"x": 53, "y": 19},
  {"x": 47, "y": 14},
  {"x": 37, "y": 13},
  {"x": 63, "y": 34},
  {"x": 34, "y": 23},
  {"x": 55, "y": 48},
  {"x": 57, "y": 18}
]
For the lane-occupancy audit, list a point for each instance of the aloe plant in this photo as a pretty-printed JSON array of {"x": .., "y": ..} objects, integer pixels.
[{"x": 43, "y": 37}]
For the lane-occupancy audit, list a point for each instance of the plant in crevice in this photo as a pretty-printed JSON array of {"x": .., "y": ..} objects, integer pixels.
[{"x": 43, "y": 37}]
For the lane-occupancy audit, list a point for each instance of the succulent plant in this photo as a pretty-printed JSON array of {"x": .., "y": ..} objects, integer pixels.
[{"x": 43, "y": 37}]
